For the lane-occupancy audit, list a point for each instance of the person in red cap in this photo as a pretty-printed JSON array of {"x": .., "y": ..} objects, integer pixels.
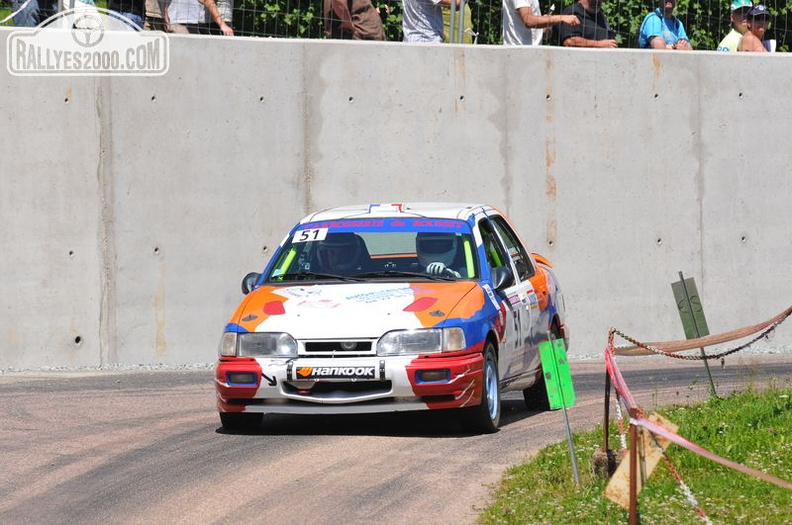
[{"x": 758, "y": 21}]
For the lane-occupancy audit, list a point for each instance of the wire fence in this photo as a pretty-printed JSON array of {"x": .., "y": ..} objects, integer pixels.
[{"x": 706, "y": 22}]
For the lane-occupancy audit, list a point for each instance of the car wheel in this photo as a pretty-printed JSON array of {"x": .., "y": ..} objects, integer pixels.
[
  {"x": 241, "y": 420},
  {"x": 485, "y": 417}
]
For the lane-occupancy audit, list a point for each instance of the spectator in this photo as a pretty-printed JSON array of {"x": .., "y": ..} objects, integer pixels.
[
  {"x": 593, "y": 30},
  {"x": 757, "y": 22},
  {"x": 25, "y": 13},
  {"x": 422, "y": 20},
  {"x": 133, "y": 10},
  {"x": 191, "y": 17},
  {"x": 739, "y": 12},
  {"x": 352, "y": 20},
  {"x": 662, "y": 30},
  {"x": 523, "y": 23},
  {"x": 467, "y": 29},
  {"x": 32, "y": 13},
  {"x": 219, "y": 16},
  {"x": 154, "y": 20}
]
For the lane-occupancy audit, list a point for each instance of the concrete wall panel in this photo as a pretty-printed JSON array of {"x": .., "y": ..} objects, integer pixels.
[{"x": 132, "y": 207}]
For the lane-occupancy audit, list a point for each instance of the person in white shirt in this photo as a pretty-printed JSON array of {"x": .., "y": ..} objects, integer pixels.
[
  {"x": 422, "y": 20},
  {"x": 524, "y": 24}
]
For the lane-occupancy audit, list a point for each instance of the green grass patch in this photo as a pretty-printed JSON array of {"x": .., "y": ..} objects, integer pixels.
[{"x": 752, "y": 428}]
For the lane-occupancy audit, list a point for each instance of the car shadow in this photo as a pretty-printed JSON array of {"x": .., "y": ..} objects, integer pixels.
[{"x": 425, "y": 423}]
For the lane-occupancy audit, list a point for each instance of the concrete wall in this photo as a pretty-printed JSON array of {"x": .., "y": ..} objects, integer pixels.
[{"x": 132, "y": 207}]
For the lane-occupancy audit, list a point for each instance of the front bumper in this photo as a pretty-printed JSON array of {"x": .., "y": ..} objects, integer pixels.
[{"x": 348, "y": 385}]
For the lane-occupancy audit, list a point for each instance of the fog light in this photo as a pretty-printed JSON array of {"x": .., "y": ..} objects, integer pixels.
[
  {"x": 433, "y": 376},
  {"x": 241, "y": 378}
]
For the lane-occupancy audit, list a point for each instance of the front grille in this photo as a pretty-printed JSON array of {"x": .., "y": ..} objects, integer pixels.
[
  {"x": 340, "y": 390},
  {"x": 350, "y": 347}
]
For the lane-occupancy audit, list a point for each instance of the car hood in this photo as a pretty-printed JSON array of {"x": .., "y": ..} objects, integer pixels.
[{"x": 327, "y": 311}]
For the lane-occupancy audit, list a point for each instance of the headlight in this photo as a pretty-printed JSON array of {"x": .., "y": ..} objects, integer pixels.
[
  {"x": 228, "y": 344},
  {"x": 428, "y": 341},
  {"x": 254, "y": 344}
]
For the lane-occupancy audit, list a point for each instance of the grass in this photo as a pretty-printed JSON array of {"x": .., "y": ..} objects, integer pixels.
[{"x": 752, "y": 428}]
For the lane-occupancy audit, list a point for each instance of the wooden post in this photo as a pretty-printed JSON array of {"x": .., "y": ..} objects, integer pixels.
[{"x": 633, "y": 470}]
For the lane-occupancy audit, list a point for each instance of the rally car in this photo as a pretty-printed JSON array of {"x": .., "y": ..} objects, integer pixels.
[{"x": 391, "y": 307}]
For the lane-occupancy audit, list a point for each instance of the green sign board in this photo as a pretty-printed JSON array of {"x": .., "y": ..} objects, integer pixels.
[
  {"x": 690, "y": 310},
  {"x": 558, "y": 378}
]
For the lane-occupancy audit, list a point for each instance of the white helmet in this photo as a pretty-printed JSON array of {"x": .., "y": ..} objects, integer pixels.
[{"x": 436, "y": 247}]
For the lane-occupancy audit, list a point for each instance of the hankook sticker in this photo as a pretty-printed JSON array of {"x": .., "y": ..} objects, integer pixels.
[{"x": 317, "y": 373}]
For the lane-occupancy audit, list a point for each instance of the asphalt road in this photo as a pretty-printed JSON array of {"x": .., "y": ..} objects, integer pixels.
[{"x": 147, "y": 447}]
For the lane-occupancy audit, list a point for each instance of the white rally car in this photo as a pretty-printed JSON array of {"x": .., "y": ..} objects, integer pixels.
[{"x": 381, "y": 308}]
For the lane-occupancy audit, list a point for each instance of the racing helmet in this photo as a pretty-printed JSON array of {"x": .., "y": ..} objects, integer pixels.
[
  {"x": 436, "y": 247},
  {"x": 339, "y": 252}
]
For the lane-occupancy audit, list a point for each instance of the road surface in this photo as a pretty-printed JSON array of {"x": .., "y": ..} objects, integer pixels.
[{"x": 147, "y": 447}]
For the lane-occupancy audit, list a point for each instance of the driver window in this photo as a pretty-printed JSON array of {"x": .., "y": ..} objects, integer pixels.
[
  {"x": 496, "y": 255},
  {"x": 522, "y": 263}
]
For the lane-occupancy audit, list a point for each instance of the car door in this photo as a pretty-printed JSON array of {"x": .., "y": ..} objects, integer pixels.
[
  {"x": 527, "y": 301},
  {"x": 510, "y": 355}
]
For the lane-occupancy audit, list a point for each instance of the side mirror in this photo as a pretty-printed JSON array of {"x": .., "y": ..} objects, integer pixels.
[
  {"x": 249, "y": 282},
  {"x": 502, "y": 277},
  {"x": 541, "y": 259}
]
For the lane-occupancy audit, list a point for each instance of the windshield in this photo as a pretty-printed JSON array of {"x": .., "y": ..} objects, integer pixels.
[{"x": 379, "y": 249}]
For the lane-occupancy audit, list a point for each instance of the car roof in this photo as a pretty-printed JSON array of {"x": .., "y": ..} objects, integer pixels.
[{"x": 438, "y": 210}]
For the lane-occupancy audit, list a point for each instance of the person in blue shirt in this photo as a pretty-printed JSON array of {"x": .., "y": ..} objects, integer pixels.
[{"x": 662, "y": 30}]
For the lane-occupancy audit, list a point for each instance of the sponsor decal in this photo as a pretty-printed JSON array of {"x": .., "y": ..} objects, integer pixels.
[
  {"x": 438, "y": 223},
  {"x": 491, "y": 295},
  {"x": 316, "y": 302},
  {"x": 335, "y": 372},
  {"x": 271, "y": 381},
  {"x": 500, "y": 323},
  {"x": 514, "y": 299},
  {"x": 345, "y": 224},
  {"x": 533, "y": 300},
  {"x": 300, "y": 292},
  {"x": 381, "y": 295}
]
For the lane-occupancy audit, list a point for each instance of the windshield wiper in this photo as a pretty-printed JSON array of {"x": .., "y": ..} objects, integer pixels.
[
  {"x": 307, "y": 274},
  {"x": 397, "y": 273}
]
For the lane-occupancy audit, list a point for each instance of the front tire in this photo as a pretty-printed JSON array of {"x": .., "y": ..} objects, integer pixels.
[
  {"x": 485, "y": 418},
  {"x": 241, "y": 421}
]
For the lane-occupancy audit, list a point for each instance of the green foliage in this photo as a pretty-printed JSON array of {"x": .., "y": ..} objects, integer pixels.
[
  {"x": 487, "y": 21},
  {"x": 706, "y": 22},
  {"x": 278, "y": 18},
  {"x": 750, "y": 428},
  {"x": 391, "y": 14}
]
